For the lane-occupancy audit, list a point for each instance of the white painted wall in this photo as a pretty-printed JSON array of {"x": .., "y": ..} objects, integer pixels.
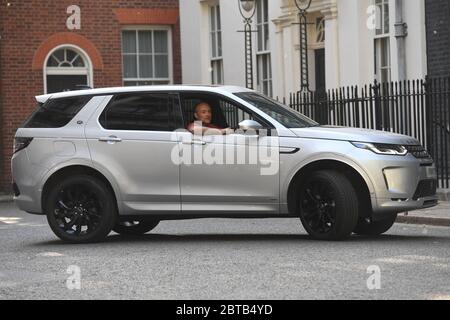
[
  {"x": 350, "y": 51},
  {"x": 357, "y": 44},
  {"x": 277, "y": 55},
  {"x": 194, "y": 25},
  {"x": 416, "y": 56},
  {"x": 349, "y": 44},
  {"x": 233, "y": 44}
]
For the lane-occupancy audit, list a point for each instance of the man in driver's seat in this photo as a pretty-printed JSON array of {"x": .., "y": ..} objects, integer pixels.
[{"x": 203, "y": 121}]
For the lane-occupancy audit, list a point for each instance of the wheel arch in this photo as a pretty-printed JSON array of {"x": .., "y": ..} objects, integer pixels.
[
  {"x": 73, "y": 170},
  {"x": 361, "y": 184}
]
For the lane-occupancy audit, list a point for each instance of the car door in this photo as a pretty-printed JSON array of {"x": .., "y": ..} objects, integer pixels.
[
  {"x": 227, "y": 173},
  {"x": 132, "y": 140}
]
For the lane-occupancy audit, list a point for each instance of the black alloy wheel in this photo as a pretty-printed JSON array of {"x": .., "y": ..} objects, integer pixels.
[
  {"x": 81, "y": 209},
  {"x": 328, "y": 206},
  {"x": 319, "y": 206}
]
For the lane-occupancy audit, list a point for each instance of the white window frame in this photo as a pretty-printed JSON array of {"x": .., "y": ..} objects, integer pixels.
[
  {"x": 137, "y": 28},
  {"x": 381, "y": 20},
  {"x": 379, "y": 39},
  {"x": 216, "y": 70},
  {"x": 261, "y": 59},
  {"x": 87, "y": 70},
  {"x": 216, "y": 58},
  {"x": 379, "y": 47},
  {"x": 264, "y": 55}
]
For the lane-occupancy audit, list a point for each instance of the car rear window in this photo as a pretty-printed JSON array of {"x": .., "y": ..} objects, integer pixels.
[
  {"x": 56, "y": 113},
  {"x": 139, "y": 112}
]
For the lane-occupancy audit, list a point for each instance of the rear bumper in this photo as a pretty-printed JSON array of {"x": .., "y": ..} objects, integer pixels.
[
  {"x": 27, "y": 188},
  {"x": 27, "y": 204}
]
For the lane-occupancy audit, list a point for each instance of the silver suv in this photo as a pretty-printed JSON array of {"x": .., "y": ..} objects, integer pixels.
[{"x": 124, "y": 159}]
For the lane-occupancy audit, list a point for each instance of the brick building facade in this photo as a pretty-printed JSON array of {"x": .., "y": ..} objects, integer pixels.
[
  {"x": 103, "y": 43},
  {"x": 438, "y": 37}
]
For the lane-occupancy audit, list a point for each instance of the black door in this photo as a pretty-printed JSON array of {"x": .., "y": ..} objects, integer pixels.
[
  {"x": 58, "y": 83},
  {"x": 320, "y": 71}
]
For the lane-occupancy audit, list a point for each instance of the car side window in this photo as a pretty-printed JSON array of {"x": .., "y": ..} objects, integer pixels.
[
  {"x": 139, "y": 112},
  {"x": 225, "y": 113},
  {"x": 56, "y": 113},
  {"x": 233, "y": 114}
]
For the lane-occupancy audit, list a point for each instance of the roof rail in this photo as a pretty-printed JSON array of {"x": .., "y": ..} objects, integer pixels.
[{"x": 82, "y": 87}]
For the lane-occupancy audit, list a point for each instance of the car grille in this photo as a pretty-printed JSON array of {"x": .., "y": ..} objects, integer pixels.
[
  {"x": 426, "y": 188},
  {"x": 419, "y": 152}
]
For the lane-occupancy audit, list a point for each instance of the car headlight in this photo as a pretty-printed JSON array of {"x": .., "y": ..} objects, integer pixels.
[{"x": 380, "y": 148}]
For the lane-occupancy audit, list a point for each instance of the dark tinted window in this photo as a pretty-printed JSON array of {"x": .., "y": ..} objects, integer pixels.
[
  {"x": 56, "y": 113},
  {"x": 225, "y": 113},
  {"x": 144, "y": 112}
]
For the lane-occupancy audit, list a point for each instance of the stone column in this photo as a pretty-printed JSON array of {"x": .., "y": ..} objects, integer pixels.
[
  {"x": 332, "y": 60},
  {"x": 287, "y": 73}
]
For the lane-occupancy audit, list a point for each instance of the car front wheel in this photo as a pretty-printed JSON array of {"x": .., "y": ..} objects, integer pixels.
[{"x": 328, "y": 206}]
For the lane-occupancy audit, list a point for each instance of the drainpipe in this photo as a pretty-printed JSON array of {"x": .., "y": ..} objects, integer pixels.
[{"x": 401, "y": 31}]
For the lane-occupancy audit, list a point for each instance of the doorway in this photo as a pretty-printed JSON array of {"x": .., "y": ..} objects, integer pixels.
[{"x": 320, "y": 71}]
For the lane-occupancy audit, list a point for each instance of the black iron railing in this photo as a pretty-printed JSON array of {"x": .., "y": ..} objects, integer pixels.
[{"x": 417, "y": 108}]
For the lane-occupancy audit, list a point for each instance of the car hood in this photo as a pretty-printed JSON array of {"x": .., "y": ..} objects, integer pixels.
[{"x": 354, "y": 134}]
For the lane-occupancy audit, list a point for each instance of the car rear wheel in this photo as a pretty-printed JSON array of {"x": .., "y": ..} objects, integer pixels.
[
  {"x": 328, "y": 206},
  {"x": 135, "y": 228},
  {"x": 374, "y": 228},
  {"x": 81, "y": 209}
]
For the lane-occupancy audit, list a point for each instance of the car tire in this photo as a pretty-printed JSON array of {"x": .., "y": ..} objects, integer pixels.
[
  {"x": 328, "y": 206},
  {"x": 81, "y": 209},
  {"x": 374, "y": 228},
  {"x": 135, "y": 228}
]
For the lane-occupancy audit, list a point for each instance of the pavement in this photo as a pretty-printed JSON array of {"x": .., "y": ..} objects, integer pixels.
[
  {"x": 444, "y": 194},
  {"x": 436, "y": 216},
  {"x": 6, "y": 197}
]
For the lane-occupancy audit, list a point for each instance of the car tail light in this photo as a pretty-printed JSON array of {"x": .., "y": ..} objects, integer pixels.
[{"x": 21, "y": 143}]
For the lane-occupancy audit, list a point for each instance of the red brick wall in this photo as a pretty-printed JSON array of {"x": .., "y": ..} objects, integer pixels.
[{"x": 25, "y": 26}]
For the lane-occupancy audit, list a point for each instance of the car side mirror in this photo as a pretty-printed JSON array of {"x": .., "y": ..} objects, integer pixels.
[{"x": 250, "y": 125}]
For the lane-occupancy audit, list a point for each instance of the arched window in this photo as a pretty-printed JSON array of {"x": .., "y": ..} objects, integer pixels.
[{"x": 67, "y": 68}]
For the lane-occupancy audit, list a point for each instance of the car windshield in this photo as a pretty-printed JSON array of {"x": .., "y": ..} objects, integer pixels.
[{"x": 289, "y": 118}]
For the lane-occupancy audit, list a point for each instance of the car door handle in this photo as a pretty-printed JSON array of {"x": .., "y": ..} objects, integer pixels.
[
  {"x": 110, "y": 139},
  {"x": 195, "y": 142}
]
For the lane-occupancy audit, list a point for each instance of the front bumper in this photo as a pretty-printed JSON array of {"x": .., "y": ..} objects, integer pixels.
[{"x": 403, "y": 184}]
